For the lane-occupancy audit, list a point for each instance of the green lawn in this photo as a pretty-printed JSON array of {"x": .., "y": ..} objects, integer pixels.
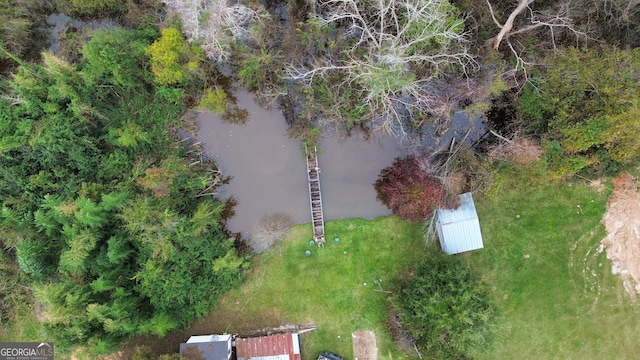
[
  {"x": 556, "y": 295},
  {"x": 552, "y": 284},
  {"x": 327, "y": 288},
  {"x": 29, "y": 329}
]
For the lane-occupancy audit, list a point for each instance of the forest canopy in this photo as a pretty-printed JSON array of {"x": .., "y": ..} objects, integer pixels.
[
  {"x": 586, "y": 106},
  {"x": 102, "y": 207}
]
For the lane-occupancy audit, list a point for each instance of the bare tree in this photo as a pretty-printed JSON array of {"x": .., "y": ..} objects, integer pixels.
[
  {"x": 386, "y": 41},
  {"x": 214, "y": 23},
  {"x": 556, "y": 19},
  {"x": 269, "y": 229},
  {"x": 620, "y": 12}
]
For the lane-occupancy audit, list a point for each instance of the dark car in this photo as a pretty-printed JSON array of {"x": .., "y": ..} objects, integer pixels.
[{"x": 329, "y": 356}]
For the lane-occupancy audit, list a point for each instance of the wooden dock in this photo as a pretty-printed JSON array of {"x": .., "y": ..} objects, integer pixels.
[{"x": 315, "y": 196}]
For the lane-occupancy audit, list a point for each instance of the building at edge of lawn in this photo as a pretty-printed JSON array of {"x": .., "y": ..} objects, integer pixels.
[
  {"x": 272, "y": 347},
  {"x": 207, "y": 347},
  {"x": 459, "y": 229},
  {"x": 220, "y": 347}
]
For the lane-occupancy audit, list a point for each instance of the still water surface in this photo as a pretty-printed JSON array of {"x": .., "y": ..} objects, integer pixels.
[{"x": 269, "y": 170}]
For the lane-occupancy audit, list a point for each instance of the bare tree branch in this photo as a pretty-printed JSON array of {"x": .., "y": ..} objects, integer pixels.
[
  {"x": 386, "y": 39},
  {"x": 521, "y": 64},
  {"x": 493, "y": 16},
  {"x": 557, "y": 19},
  {"x": 212, "y": 22},
  {"x": 506, "y": 28},
  {"x": 269, "y": 229}
]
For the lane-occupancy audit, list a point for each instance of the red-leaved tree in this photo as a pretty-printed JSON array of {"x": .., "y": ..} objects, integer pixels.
[{"x": 408, "y": 190}]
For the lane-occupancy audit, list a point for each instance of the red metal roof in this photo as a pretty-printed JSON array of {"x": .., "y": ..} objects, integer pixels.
[{"x": 282, "y": 347}]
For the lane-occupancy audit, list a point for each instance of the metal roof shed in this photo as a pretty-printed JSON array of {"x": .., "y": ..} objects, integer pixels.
[
  {"x": 459, "y": 229},
  {"x": 272, "y": 347},
  {"x": 207, "y": 347}
]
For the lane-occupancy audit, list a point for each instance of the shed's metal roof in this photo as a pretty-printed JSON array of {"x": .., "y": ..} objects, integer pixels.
[
  {"x": 273, "y": 347},
  {"x": 459, "y": 229}
]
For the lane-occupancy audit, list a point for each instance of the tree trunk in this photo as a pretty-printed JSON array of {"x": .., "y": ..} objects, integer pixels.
[{"x": 508, "y": 25}]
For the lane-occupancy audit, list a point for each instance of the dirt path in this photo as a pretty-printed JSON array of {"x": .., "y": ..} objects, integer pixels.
[
  {"x": 364, "y": 345},
  {"x": 622, "y": 221}
]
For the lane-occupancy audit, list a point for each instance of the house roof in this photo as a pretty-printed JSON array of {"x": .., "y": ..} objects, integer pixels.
[
  {"x": 272, "y": 347},
  {"x": 207, "y": 347},
  {"x": 459, "y": 229}
]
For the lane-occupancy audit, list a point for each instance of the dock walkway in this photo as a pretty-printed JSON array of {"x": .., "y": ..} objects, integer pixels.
[{"x": 315, "y": 196}]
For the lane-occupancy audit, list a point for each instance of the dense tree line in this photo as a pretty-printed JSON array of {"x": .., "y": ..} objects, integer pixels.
[
  {"x": 585, "y": 110},
  {"x": 102, "y": 208}
]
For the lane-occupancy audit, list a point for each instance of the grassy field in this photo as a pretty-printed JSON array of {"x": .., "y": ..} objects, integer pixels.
[
  {"x": 327, "y": 288},
  {"x": 29, "y": 329},
  {"x": 551, "y": 281},
  {"x": 554, "y": 288}
]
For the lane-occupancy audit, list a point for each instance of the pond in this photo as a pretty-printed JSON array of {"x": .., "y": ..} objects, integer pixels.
[
  {"x": 269, "y": 170},
  {"x": 60, "y": 23}
]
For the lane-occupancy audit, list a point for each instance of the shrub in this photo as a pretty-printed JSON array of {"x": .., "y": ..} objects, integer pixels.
[
  {"x": 98, "y": 8},
  {"x": 214, "y": 100},
  {"x": 408, "y": 190},
  {"x": 518, "y": 149},
  {"x": 142, "y": 353},
  {"x": 270, "y": 229},
  {"x": 255, "y": 70},
  {"x": 172, "y": 58},
  {"x": 446, "y": 309},
  {"x": 588, "y": 110}
]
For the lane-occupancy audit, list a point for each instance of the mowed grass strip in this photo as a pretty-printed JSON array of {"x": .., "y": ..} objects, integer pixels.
[
  {"x": 326, "y": 288},
  {"x": 552, "y": 283}
]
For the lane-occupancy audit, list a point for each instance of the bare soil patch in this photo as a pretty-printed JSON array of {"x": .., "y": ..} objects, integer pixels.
[
  {"x": 403, "y": 338},
  {"x": 598, "y": 185},
  {"x": 364, "y": 345},
  {"x": 622, "y": 221}
]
